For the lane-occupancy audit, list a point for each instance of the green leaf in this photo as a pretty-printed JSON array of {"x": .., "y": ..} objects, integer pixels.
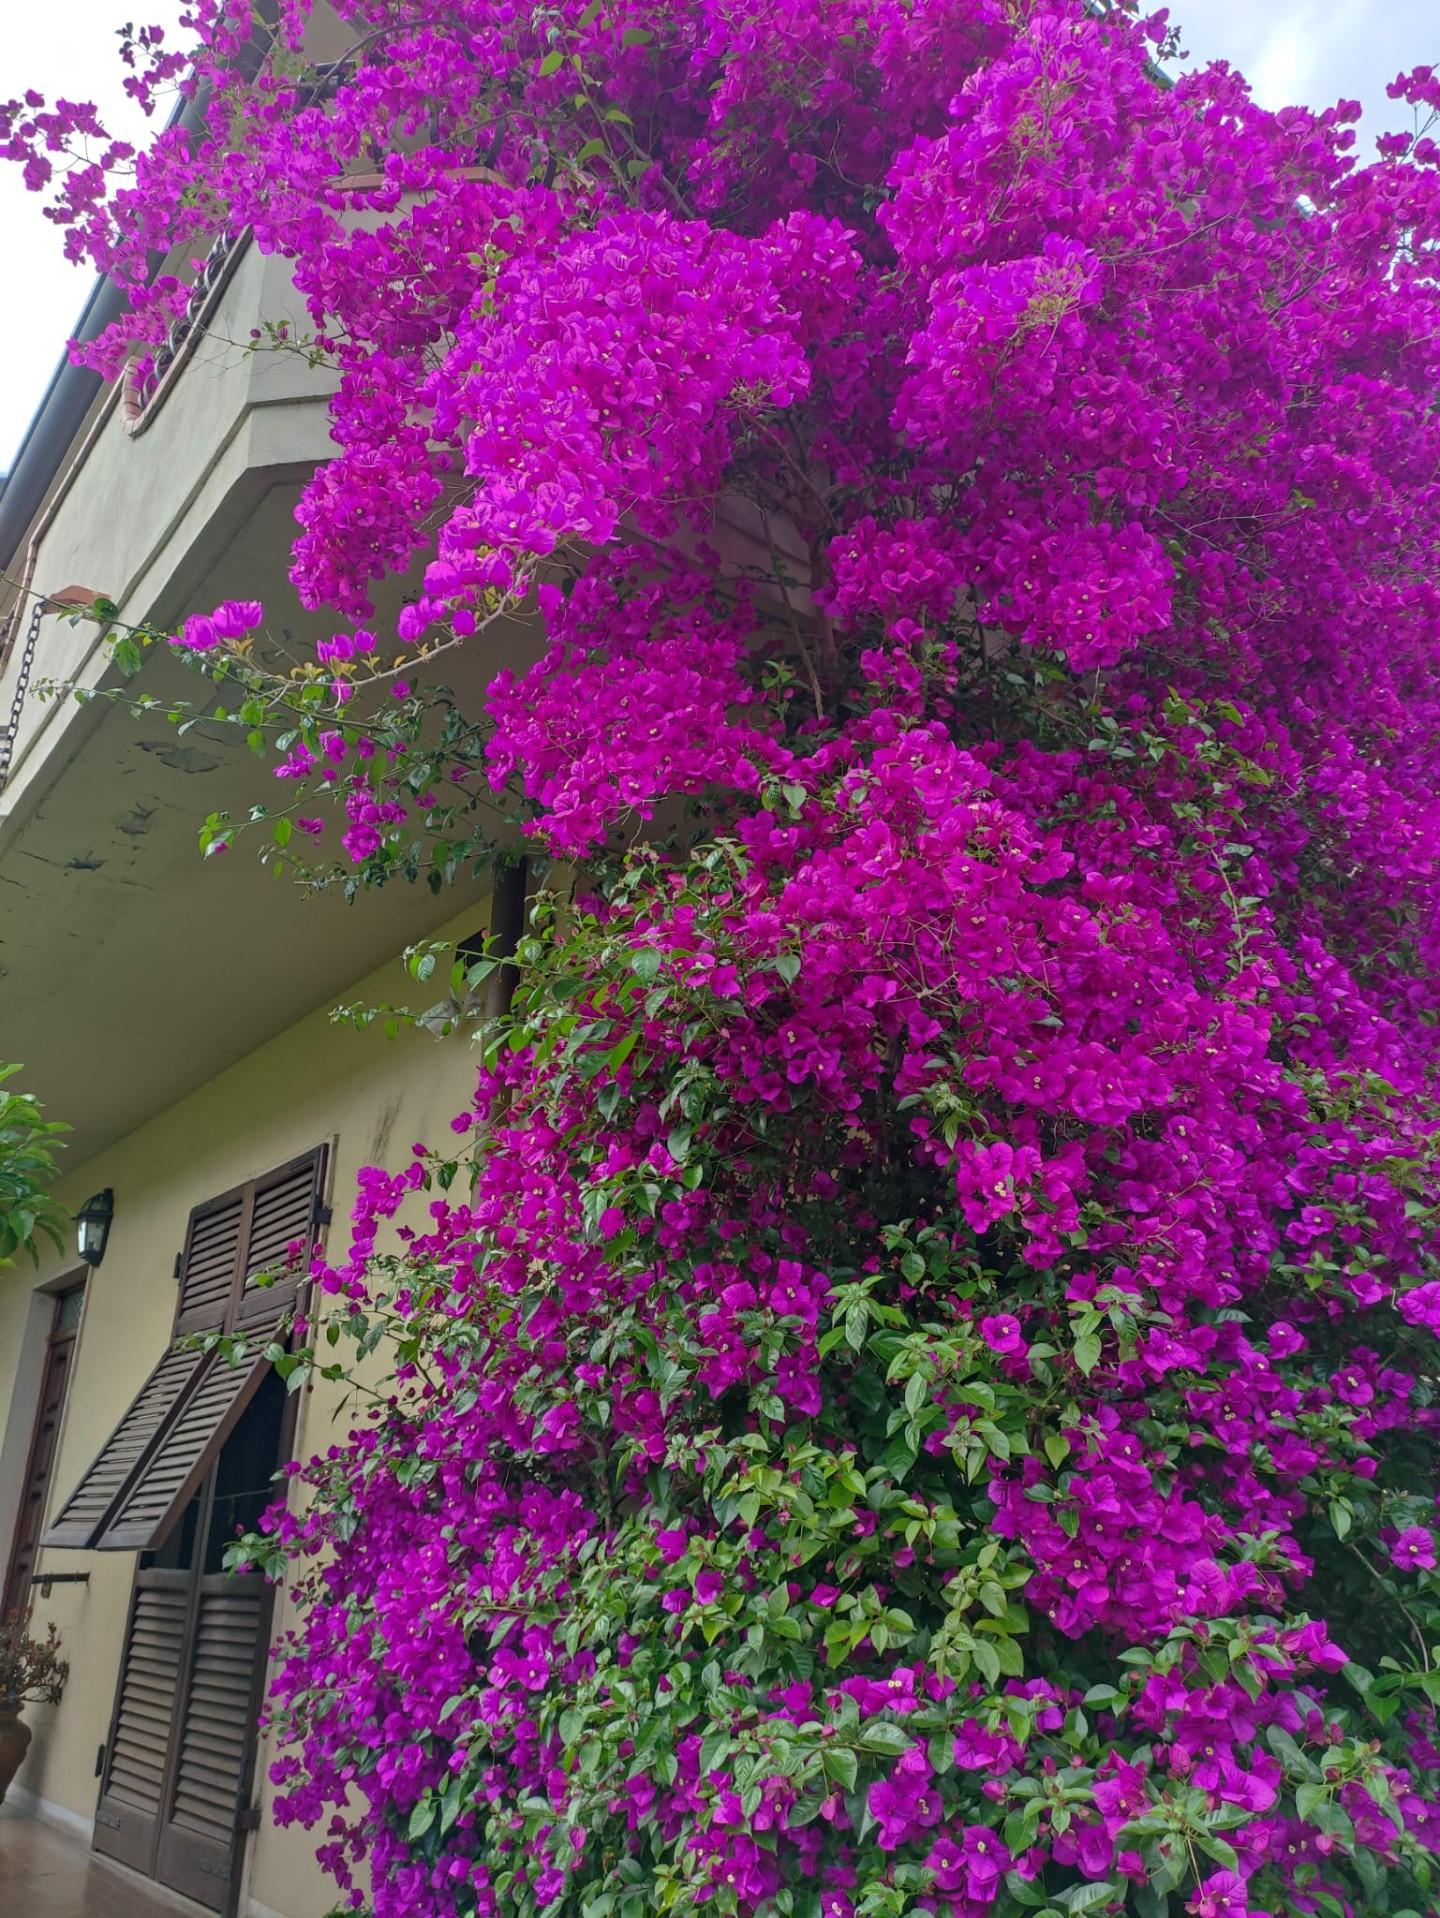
[
  {"x": 899, "y": 1455},
  {"x": 1308, "y": 1799},
  {"x": 987, "y": 1659},
  {"x": 126, "y": 655},
  {"x": 1087, "y": 1352},
  {"x": 645, "y": 964},
  {"x": 678, "y": 1144},
  {"x": 1023, "y": 1891},
  {"x": 620, "y": 1053},
  {"x": 880, "y": 1735},
  {"x": 1217, "y": 1848},
  {"x": 552, "y": 62},
  {"x": 1284, "y": 1747},
  {"x": 1087, "y": 1897},
  {"x": 1150, "y": 1901}
]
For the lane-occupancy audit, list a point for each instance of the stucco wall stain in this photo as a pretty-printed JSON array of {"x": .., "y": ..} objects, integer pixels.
[{"x": 181, "y": 759}]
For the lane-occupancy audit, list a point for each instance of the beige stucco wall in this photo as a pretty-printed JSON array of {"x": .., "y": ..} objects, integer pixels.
[{"x": 317, "y": 1082}]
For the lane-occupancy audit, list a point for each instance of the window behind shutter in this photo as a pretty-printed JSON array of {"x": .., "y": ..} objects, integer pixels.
[
  {"x": 175, "y": 1467},
  {"x": 127, "y": 1818},
  {"x": 84, "y": 1513}
]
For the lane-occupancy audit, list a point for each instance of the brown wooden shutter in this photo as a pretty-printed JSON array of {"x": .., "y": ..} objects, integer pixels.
[
  {"x": 283, "y": 1214},
  {"x": 177, "y": 1465},
  {"x": 84, "y": 1513},
  {"x": 208, "y": 1264},
  {"x": 127, "y": 1819},
  {"x": 215, "y": 1744},
  {"x": 172, "y": 1434}
]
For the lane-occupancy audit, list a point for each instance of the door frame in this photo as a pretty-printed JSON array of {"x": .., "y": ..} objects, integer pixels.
[{"x": 12, "y": 1597}]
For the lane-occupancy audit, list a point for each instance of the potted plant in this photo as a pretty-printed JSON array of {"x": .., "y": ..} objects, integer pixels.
[{"x": 32, "y": 1672}]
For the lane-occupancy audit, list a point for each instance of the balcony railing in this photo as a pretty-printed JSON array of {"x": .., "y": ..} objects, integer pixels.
[{"x": 150, "y": 375}]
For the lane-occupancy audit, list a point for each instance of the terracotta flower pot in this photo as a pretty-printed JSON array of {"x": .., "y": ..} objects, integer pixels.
[{"x": 15, "y": 1738}]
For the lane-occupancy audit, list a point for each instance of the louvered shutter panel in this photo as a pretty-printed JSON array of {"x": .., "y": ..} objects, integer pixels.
[
  {"x": 207, "y": 1266},
  {"x": 177, "y": 1465},
  {"x": 215, "y": 1739},
  {"x": 283, "y": 1216},
  {"x": 128, "y": 1817},
  {"x": 83, "y": 1514}
]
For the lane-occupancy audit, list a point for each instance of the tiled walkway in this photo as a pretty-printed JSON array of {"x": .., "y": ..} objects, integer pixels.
[{"x": 45, "y": 1874}]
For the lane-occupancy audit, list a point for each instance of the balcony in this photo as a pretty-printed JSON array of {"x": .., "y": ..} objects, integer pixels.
[
  {"x": 150, "y": 497},
  {"x": 130, "y": 969}
]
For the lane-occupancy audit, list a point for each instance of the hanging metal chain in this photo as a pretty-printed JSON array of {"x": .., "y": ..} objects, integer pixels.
[{"x": 22, "y": 684}]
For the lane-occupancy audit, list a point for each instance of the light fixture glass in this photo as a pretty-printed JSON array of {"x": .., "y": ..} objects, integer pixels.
[{"x": 92, "y": 1226}]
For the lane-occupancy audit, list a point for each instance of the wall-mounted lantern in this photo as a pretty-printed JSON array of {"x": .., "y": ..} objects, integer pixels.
[{"x": 92, "y": 1226}]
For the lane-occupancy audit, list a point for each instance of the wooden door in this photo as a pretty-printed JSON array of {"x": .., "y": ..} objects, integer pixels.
[
  {"x": 59, "y": 1361},
  {"x": 179, "y": 1767},
  {"x": 133, "y": 1788},
  {"x": 214, "y": 1740}
]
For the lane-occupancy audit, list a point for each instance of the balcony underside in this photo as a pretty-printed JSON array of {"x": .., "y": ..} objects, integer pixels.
[{"x": 131, "y": 969}]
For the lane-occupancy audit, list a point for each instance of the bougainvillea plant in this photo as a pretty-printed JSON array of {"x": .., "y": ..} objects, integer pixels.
[{"x": 912, "y": 1384}]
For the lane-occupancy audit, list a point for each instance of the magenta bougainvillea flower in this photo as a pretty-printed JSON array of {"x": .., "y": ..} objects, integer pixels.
[{"x": 1413, "y": 1550}]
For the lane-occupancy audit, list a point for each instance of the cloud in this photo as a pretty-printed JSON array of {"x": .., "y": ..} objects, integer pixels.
[{"x": 1314, "y": 52}]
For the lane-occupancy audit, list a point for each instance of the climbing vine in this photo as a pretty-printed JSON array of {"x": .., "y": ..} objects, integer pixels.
[{"x": 911, "y": 1386}]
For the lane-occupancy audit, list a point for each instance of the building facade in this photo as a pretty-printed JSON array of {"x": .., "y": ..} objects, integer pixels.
[{"x": 176, "y": 1013}]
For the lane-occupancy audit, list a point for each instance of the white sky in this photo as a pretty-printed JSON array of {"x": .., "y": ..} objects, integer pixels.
[{"x": 1314, "y": 51}]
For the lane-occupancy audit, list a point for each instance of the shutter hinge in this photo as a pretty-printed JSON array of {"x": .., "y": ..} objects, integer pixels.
[
  {"x": 179, "y": 1261},
  {"x": 320, "y": 1213},
  {"x": 248, "y": 1818},
  {"x": 100, "y": 1762}
]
